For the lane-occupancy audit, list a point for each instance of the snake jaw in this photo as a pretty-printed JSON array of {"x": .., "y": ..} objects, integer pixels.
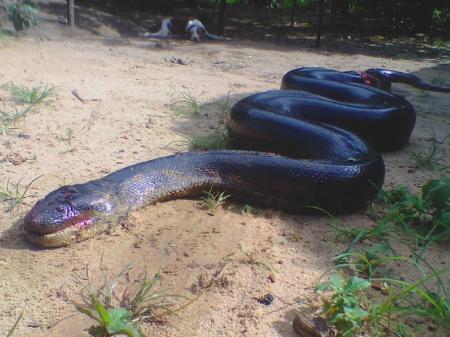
[
  {"x": 67, "y": 236},
  {"x": 77, "y": 228},
  {"x": 68, "y": 215}
]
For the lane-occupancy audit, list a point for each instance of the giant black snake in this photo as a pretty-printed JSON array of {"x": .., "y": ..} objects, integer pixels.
[{"x": 338, "y": 171}]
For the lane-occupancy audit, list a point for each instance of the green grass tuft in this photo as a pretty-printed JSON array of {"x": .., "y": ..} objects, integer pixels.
[
  {"x": 187, "y": 103},
  {"x": 368, "y": 298},
  {"x": 217, "y": 140},
  {"x": 6, "y": 126},
  {"x": 119, "y": 307},
  {"x": 433, "y": 158},
  {"x": 14, "y": 194},
  {"x": 212, "y": 200},
  {"x": 368, "y": 262},
  {"x": 424, "y": 218},
  {"x": 34, "y": 95},
  {"x": 353, "y": 311},
  {"x": 8, "y": 119}
]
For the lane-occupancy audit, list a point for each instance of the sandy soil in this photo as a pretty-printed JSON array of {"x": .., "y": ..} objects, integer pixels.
[{"x": 129, "y": 86}]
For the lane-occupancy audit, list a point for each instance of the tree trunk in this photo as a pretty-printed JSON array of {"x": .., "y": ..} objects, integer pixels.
[
  {"x": 423, "y": 16},
  {"x": 334, "y": 11},
  {"x": 71, "y": 13},
  {"x": 280, "y": 22},
  {"x": 320, "y": 23},
  {"x": 193, "y": 5},
  {"x": 294, "y": 9},
  {"x": 221, "y": 19}
]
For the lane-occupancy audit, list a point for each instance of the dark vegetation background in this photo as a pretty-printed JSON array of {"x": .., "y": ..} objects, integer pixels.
[
  {"x": 390, "y": 17},
  {"x": 393, "y": 28}
]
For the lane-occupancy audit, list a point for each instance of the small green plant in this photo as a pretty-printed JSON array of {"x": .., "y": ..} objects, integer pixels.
[
  {"x": 225, "y": 105},
  {"x": 22, "y": 13},
  {"x": 431, "y": 159},
  {"x": 6, "y": 126},
  {"x": 216, "y": 140},
  {"x": 440, "y": 43},
  {"x": 411, "y": 299},
  {"x": 425, "y": 218},
  {"x": 14, "y": 116},
  {"x": 8, "y": 119},
  {"x": 367, "y": 262},
  {"x": 111, "y": 321},
  {"x": 187, "y": 103},
  {"x": 351, "y": 312},
  {"x": 344, "y": 309},
  {"x": 69, "y": 136},
  {"x": 379, "y": 232},
  {"x": 14, "y": 194},
  {"x": 34, "y": 95},
  {"x": 354, "y": 309},
  {"x": 212, "y": 200},
  {"x": 118, "y": 309}
]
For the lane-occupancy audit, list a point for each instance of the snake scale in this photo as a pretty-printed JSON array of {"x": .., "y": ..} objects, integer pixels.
[{"x": 316, "y": 124}]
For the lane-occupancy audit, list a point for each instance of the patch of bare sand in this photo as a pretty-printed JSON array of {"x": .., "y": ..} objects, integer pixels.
[{"x": 127, "y": 117}]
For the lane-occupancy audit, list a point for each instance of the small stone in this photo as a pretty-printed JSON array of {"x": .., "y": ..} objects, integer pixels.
[
  {"x": 33, "y": 324},
  {"x": 23, "y": 135},
  {"x": 15, "y": 159},
  {"x": 267, "y": 299}
]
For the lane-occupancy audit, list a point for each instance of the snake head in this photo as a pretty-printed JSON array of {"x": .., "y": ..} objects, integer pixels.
[{"x": 67, "y": 215}]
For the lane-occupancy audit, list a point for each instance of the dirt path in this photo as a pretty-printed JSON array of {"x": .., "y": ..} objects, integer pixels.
[{"x": 129, "y": 87}]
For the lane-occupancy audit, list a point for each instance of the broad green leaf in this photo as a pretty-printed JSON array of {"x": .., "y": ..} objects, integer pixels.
[
  {"x": 337, "y": 317},
  {"x": 350, "y": 300},
  {"x": 336, "y": 282},
  {"x": 322, "y": 287},
  {"x": 120, "y": 317},
  {"x": 355, "y": 314},
  {"x": 357, "y": 283},
  {"x": 131, "y": 331}
]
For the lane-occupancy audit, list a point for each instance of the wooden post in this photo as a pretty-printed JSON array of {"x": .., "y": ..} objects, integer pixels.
[
  {"x": 320, "y": 23},
  {"x": 71, "y": 13}
]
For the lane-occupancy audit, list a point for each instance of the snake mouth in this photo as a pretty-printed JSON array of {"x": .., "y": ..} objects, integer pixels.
[{"x": 75, "y": 229}]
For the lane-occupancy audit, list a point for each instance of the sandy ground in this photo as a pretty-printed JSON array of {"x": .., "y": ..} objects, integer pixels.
[{"x": 129, "y": 87}]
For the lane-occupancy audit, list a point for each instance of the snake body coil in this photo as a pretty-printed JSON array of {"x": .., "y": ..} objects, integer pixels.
[{"x": 318, "y": 129}]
